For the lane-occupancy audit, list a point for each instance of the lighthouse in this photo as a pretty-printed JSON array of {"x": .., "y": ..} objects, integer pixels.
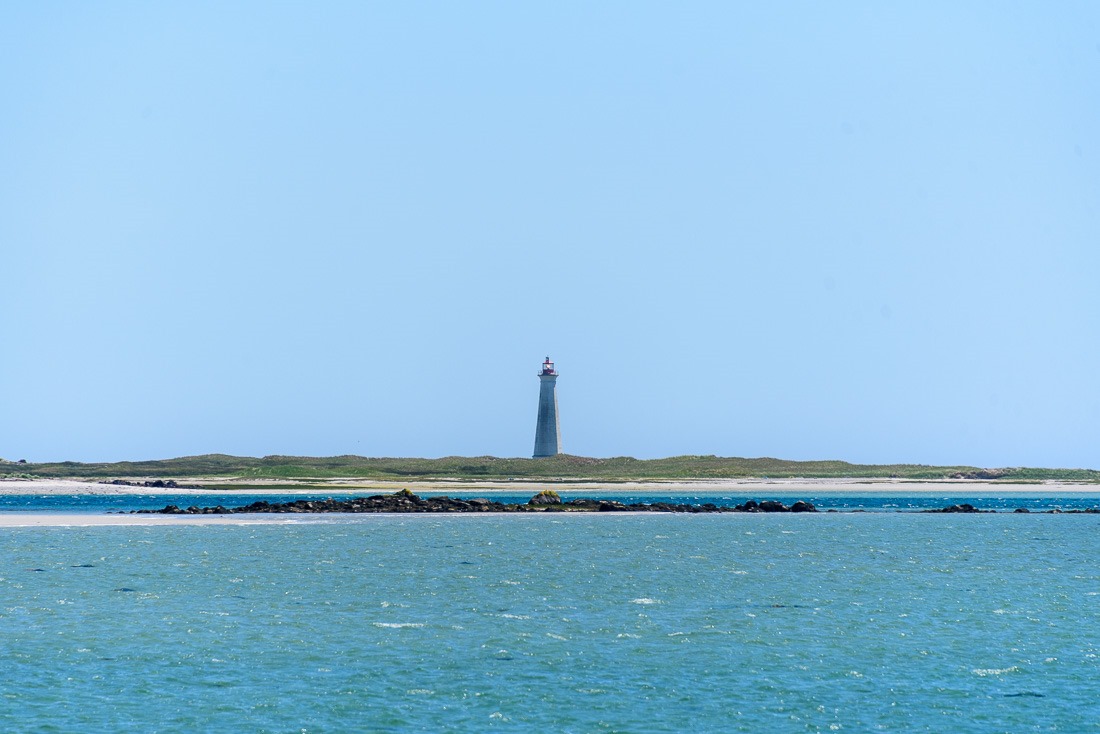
[{"x": 547, "y": 430}]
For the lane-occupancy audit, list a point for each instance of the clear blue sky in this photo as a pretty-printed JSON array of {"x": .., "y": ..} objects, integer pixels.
[{"x": 862, "y": 231}]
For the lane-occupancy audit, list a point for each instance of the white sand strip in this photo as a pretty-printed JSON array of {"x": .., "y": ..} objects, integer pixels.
[{"x": 85, "y": 487}]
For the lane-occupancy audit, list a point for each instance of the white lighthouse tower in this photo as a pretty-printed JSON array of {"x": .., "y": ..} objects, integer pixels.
[{"x": 547, "y": 430}]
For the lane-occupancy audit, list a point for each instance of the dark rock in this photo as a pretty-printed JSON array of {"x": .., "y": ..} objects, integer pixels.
[
  {"x": 153, "y": 484},
  {"x": 406, "y": 502},
  {"x": 545, "y": 497},
  {"x": 963, "y": 508},
  {"x": 447, "y": 504}
]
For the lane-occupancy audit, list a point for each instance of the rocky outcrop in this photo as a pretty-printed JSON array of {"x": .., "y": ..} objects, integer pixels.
[
  {"x": 407, "y": 502},
  {"x": 153, "y": 483},
  {"x": 1086, "y": 511},
  {"x": 964, "y": 508},
  {"x": 545, "y": 497},
  {"x": 774, "y": 506},
  {"x": 967, "y": 508}
]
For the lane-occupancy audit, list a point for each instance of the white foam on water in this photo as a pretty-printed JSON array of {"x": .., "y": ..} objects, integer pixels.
[
  {"x": 984, "y": 672},
  {"x": 644, "y": 600},
  {"x": 398, "y": 625}
]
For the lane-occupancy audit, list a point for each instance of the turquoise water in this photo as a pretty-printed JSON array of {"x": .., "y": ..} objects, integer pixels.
[{"x": 639, "y": 623}]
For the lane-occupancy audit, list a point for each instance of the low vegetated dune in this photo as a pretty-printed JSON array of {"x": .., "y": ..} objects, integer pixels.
[{"x": 620, "y": 468}]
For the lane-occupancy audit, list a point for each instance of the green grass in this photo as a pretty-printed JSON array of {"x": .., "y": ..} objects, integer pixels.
[{"x": 562, "y": 467}]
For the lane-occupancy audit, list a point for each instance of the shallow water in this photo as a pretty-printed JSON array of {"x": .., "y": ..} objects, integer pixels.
[{"x": 826, "y": 622}]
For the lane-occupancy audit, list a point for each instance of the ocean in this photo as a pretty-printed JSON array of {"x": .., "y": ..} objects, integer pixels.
[{"x": 888, "y": 621}]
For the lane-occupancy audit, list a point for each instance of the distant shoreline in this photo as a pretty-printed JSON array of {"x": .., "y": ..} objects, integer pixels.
[
  {"x": 760, "y": 488},
  {"x": 561, "y": 469}
]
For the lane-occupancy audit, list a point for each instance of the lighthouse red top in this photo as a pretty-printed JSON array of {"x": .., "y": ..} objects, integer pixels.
[{"x": 548, "y": 368}]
